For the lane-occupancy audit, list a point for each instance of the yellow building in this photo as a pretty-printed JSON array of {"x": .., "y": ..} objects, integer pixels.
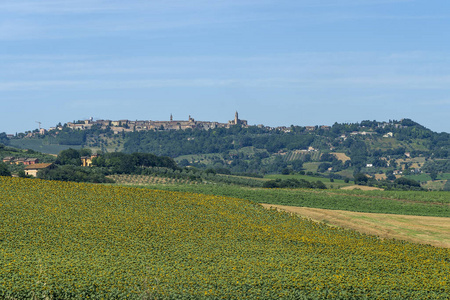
[{"x": 86, "y": 161}]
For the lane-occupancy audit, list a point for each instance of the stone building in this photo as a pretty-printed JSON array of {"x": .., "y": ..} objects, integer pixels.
[{"x": 33, "y": 170}]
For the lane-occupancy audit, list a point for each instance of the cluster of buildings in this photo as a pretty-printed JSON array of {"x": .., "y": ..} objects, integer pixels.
[
  {"x": 131, "y": 126},
  {"x": 32, "y": 165},
  {"x": 119, "y": 126},
  {"x": 32, "y": 170},
  {"x": 19, "y": 160}
]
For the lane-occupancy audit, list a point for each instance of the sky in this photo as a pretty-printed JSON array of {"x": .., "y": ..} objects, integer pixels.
[{"x": 278, "y": 63}]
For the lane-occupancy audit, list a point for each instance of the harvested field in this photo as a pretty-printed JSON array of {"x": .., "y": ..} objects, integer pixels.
[
  {"x": 361, "y": 187},
  {"x": 424, "y": 230},
  {"x": 341, "y": 156},
  {"x": 380, "y": 176}
]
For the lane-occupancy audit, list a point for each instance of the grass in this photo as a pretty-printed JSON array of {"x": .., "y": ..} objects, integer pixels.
[
  {"x": 427, "y": 183},
  {"x": 419, "y": 177},
  {"x": 114, "y": 143},
  {"x": 124, "y": 179},
  {"x": 392, "y": 143},
  {"x": 299, "y": 155},
  {"x": 39, "y": 145},
  {"x": 336, "y": 184},
  {"x": 202, "y": 158},
  {"x": 406, "y": 203},
  {"x": 436, "y": 185},
  {"x": 311, "y": 166},
  {"x": 346, "y": 173}
]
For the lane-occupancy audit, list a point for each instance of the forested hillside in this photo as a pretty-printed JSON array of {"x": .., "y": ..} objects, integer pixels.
[{"x": 342, "y": 150}]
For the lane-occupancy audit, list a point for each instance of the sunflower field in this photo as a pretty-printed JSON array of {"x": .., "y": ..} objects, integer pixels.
[{"x": 62, "y": 240}]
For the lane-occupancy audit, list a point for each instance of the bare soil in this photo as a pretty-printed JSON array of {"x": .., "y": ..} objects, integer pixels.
[{"x": 424, "y": 230}]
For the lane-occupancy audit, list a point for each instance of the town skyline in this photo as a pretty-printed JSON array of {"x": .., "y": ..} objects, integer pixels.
[{"x": 126, "y": 125}]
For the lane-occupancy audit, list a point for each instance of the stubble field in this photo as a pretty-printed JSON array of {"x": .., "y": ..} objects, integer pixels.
[{"x": 418, "y": 229}]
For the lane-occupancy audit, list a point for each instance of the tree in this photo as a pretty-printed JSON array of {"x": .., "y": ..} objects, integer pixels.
[
  {"x": 4, "y": 138},
  {"x": 271, "y": 184},
  {"x": 390, "y": 175},
  {"x": 323, "y": 167},
  {"x": 408, "y": 182},
  {"x": 433, "y": 175},
  {"x": 327, "y": 157},
  {"x": 360, "y": 178},
  {"x": 285, "y": 171},
  {"x": 69, "y": 157},
  {"x": 320, "y": 185},
  {"x": 447, "y": 186},
  {"x": 4, "y": 170},
  {"x": 297, "y": 165},
  {"x": 74, "y": 173}
]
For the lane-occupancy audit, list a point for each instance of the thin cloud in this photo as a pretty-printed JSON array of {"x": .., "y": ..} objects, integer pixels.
[
  {"x": 310, "y": 65},
  {"x": 334, "y": 3},
  {"x": 40, "y": 20},
  {"x": 35, "y": 21},
  {"x": 102, "y": 6},
  {"x": 397, "y": 82}
]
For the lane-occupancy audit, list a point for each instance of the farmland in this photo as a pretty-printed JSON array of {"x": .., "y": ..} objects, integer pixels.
[
  {"x": 425, "y": 230},
  {"x": 71, "y": 240},
  {"x": 435, "y": 204},
  {"x": 336, "y": 183},
  {"x": 41, "y": 145}
]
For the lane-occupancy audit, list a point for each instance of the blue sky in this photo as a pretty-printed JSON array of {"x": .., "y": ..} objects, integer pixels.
[{"x": 281, "y": 62}]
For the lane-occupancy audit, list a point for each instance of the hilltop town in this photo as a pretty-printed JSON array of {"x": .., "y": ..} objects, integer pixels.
[
  {"x": 118, "y": 126},
  {"x": 124, "y": 126}
]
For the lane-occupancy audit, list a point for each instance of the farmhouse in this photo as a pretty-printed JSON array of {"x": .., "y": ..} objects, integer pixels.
[
  {"x": 32, "y": 170},
  {"x": 31, "y": 161},
  {"x": 86, "y": 161},
  {"x": 19, "y": 160},
  {"x": 8, "y": 159}
]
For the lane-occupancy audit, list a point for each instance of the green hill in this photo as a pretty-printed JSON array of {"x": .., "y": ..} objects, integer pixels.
[{"x": 378, "y": 149}]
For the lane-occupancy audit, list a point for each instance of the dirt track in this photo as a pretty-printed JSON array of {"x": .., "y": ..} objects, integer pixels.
[{"x": 425, "y": 230}]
